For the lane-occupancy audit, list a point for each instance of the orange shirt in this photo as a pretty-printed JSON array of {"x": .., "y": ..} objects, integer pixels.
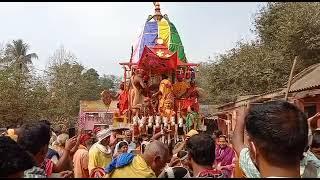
[{"x": 80, "y": 162}]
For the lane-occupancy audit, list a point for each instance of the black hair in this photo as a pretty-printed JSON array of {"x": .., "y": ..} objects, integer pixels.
[
  {"x": 178, "y": 172},
  {"x": 218, "y": 133},
  {"x": 181, "y": 154},
  {"x": 143, "y": 147},
  {"x": 315, "y": 139},
  {"x": 34, "y": 136},
  {"x": 280, "y": 130},
  {"x": 13, "y": 158},
  {"x": 46, "y": 122},
  {"x": 121, "y": 144},
  {"x": 164, "y": 76},
  {"x": 223, "y": 136},
  {"x": 201, "y": 148},
  {"x": 10, "y": 127}
]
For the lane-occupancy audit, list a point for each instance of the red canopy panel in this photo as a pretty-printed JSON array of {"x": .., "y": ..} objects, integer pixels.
[{"x": 158, "y": 60}]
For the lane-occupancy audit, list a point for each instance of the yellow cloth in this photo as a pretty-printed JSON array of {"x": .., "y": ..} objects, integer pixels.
[
  {"x": 179, "y": 88},
  {"x": 98, "y": 158},
  {"x": 80, "y": 162},
  {"x": 12, "y": 135},
  {"x": 166, "y": 90},
  {"x": 164, "y": 31},
  {"x": 137, "y": 169}
]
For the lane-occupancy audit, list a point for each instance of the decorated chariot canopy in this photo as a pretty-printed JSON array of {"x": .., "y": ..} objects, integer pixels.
[
  {"x": 159, "y": 48},
  {"x": 159, "y": 26}
]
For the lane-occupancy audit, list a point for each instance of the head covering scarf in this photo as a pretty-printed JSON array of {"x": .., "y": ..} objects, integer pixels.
[{"x": 84, "y": 138}]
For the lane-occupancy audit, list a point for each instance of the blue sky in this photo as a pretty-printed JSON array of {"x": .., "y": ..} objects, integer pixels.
[{"x": 101, "y": 34}]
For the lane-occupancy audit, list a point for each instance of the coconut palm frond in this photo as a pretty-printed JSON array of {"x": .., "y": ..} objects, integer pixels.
[
  {"x": 16, "y": 52},
  {"x": 32, "y": 56}
]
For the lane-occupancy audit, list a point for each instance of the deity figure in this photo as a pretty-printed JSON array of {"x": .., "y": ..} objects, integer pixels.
[
  {"x": 164, "y": 93},
  {"x": 191, "y": 97},
  {"x": 180, "y": 87},
  {"x": 168, "y": 111},
  {"x": 192, "y": 119}
]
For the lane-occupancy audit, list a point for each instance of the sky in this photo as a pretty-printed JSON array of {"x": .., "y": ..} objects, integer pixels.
[{"x": 101, "y": 34}]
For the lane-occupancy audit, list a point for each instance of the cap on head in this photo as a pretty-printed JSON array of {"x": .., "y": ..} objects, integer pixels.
[
  {"x": 192, "y": 132},
  {"x": 104, "y": 133}
]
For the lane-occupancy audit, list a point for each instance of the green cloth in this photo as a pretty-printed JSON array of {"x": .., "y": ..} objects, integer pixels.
[
  {"x": 175, "y": 44},
  {"x": 192, "y": 118}
]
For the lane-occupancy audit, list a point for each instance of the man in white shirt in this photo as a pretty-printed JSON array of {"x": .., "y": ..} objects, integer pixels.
[
  {"x": 309, "y": 165},
  {"x": 277, "y": 137}
]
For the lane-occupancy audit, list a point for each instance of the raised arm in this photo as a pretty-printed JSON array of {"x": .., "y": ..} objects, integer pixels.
[
  {"x": 238, "y": 133},
  {"x": 75, "y": 148},
  {"x": 313, "y": 118},
  {"x": 63, "y": 161}
]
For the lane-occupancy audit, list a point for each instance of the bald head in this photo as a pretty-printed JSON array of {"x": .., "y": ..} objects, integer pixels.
[
  {"x": 156, "y": 155},
  {"x": 157, "y": 148}
]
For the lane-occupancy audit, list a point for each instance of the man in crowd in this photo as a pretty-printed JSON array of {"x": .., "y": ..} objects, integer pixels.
[
  {"x": 181, "y": 145},
  {"x": 40, "y": 132},
  {"x": 127, "y": 139},
  {"x": 100, "y": 153},
  {"x": 277, "y": 137},
  {"x": 225, "y": 157},
  {"x": 14, "y": 160},
  {"x": 201, "y": 156},
  {"x": 81, "y": 157},
  {"x": 147, "y": 165}
]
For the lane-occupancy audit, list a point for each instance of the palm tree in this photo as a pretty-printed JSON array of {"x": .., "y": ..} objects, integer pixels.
[{"x": 16, "y": 55}]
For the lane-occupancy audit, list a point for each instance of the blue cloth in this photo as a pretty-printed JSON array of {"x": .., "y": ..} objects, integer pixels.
[
  {"x": 52, "y": 153},
  {"x": 150, "y": 34},
  {"x": 121, "y": 161}
]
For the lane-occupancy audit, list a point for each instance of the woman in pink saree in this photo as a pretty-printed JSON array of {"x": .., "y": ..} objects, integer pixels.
[{"x": 225, "y": 157}]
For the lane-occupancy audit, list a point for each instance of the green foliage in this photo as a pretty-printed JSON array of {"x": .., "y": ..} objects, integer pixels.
[
  {"x": 16, "y": 55},
  {"x": 25, "y": 96},
  {"x": 284, "y": 30}
]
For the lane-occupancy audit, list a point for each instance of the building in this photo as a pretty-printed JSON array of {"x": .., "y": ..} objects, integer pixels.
[
  {"x": 228, "y": 113},
  {"x": 304, "y": 92},
  {"x": 96, "y": 113}
]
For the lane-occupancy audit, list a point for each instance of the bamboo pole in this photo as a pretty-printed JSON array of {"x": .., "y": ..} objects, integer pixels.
[{"x": 290, "y": 77}]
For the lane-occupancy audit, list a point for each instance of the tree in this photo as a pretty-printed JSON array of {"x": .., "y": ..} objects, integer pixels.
[
  {"x": 284, "y": 30},
  {"x": 91, "y": 89},
  {"x": 293, "y": 28},
  {"x": 16, "y": 54},
  {"x": 64, "y": 86}
]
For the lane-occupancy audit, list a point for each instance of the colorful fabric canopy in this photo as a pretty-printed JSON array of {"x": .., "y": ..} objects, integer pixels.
[
  {"x": 163, "y": 29},
  {"x": 158, "y": 60}
]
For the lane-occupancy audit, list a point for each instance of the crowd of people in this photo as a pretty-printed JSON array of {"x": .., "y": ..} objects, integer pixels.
[{"x": 279, "y": 142}]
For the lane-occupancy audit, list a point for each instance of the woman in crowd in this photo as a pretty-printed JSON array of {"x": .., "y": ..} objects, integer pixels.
[{"x": 122, "y": 148}]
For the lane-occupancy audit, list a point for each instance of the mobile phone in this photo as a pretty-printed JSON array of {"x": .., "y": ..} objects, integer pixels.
[{"x": 72, "y": 132}]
